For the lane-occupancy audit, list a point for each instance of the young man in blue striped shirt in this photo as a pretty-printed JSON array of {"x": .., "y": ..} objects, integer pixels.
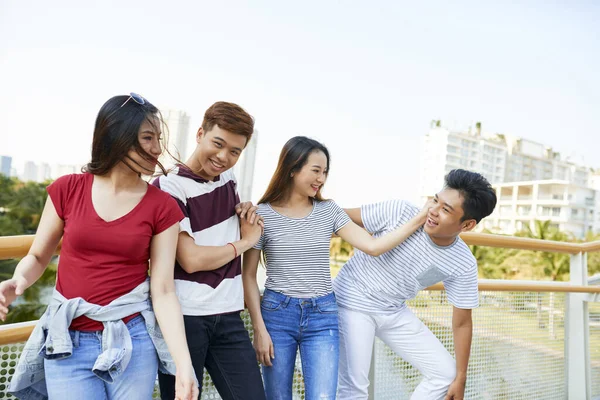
[{"x": 372, "y": 291}]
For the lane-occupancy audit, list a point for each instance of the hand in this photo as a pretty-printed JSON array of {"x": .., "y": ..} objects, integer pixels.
[
  {"x": 263, "y": 347},
  {"x": 246, "y": 210},
  {"x": 425, "y": 210},
  {"x": 9, "y": 291},
  {"x": 185, "y": 384},
  {"x": 456, "y": 391},
  {"x": 250, "y": 232}
]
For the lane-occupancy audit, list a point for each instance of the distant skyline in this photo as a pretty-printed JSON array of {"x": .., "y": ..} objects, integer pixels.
[{"x": 365, "y": 80}]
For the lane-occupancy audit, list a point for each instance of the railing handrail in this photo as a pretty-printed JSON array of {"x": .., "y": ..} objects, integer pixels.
[
  {"x": 18, "y": 246},
  {"x": 16, "y": 333},
  {"x": 521, "y": 243},
  {"x": 20, "y": 332}
]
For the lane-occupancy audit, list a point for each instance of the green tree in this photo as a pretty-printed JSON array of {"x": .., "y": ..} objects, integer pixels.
[
  {"x": 31, "y": 305},
  {"x": 27, "y": 204},
  {"x": 21, "y": 206},
  {"x": 339, "y": 249},
  {"x": 498, "y": 263},
  {"x": 552, "y": 265},
  {"x": 7, "y": 189},
  {"x": 593, "y": 259}
]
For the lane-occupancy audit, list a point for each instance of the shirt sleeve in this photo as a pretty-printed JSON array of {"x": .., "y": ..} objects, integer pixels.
[
  {"x": 340, "y": 218},
  {"x": 376, "y": 216},
  {"x": 59, "y": 192},
  {"x": 168, "y": 215},
  {"x": 178, "y": 195},
  {"x": 261, "y": 242},
  {"x": 463, "y": 290}
]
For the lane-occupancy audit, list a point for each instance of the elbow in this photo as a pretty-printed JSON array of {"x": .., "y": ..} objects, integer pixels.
[
  {"x": 159, "y": 290},
  {"x": 248, "y": 280},
  {"x": 373, "y": 250},
  {"x": 463, "y": 324},
  {"x": 186, "y": 267},
  {"x": 459, "y": 326},
  {"x": 189, "y": 265}
]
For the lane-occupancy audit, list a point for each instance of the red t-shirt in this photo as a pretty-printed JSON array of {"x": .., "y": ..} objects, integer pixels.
[{"x": 101, "y": 261}]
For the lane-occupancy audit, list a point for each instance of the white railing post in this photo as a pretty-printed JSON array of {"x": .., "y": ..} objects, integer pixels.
[{"x": 577, "y": 348}]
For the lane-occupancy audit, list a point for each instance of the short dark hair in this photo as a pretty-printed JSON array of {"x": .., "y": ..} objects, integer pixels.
[
  {"x": 229, "y": 117},
  {"x": 479, "y": 198}
]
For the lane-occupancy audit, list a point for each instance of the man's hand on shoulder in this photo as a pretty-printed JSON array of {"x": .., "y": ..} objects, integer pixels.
[{"x": 247, "y": 210}]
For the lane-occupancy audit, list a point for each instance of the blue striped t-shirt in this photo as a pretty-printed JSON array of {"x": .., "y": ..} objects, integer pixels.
[{"x": 383, "y": 284}]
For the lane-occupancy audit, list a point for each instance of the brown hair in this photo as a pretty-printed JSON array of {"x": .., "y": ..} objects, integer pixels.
[
  {"x": 293, "y": 157},
  {"x": 116, "y": 133},
  {"x": 229, "y": 117}
]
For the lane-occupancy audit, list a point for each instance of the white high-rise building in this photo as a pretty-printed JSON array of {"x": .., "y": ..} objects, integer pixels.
[
  {"x": 500, "y": 158},
  {"x": 568, "y": 206},
  {"x": 532, "y": 181},
  {"x": 445, "y": 151},
  {"x": 594, "y": 180},
  {"x": 30, "y": 172},
  {"x": 529, "y": 160},
  {"x": 44, "y": 172},
  {"x": 244, "y": 169},
  {"x": 177, "y": 136}
]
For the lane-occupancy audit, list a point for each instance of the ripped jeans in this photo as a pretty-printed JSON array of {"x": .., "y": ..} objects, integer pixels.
[{"x": 311, "y": 325}]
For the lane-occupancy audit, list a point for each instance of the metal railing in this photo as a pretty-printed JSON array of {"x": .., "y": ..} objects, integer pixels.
[{"x": 531, "y": 339}]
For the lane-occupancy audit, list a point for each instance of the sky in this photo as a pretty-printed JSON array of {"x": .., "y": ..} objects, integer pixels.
[{"x": 365, "y": 78}]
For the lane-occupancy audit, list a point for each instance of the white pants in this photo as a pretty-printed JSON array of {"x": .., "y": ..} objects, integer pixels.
[{"x": 406, "y": 335}]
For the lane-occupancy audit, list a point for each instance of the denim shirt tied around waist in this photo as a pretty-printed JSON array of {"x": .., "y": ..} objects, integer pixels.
[{"x": 50, "y": 339}]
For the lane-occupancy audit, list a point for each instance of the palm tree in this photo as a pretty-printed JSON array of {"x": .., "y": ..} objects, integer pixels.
[
  {"x": 593, "y": 259},
  {"x": 553, "y": 265}
]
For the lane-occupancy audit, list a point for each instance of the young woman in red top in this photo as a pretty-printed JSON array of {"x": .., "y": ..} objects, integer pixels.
[{"x": 112, "y": 223}]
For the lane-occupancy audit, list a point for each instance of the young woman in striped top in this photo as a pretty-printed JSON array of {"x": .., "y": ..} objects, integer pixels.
[{"x": 298, "y": 309}]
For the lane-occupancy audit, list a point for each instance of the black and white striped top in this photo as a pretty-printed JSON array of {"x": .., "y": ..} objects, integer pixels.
[
  {"x": 383, "y": 284},
  {"x": 297, "y": 249}
]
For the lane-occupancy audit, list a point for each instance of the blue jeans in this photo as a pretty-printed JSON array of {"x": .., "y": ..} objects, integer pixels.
[
  {"x": 311, "y": 325},
  {"x": 72, "y": 378}
]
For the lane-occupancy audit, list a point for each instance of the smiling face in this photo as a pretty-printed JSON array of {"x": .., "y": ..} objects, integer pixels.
[
  {"x": 445, "y": 218},
  {"x": 309, "y": 180},
  {"x": 217, "y": 151}
]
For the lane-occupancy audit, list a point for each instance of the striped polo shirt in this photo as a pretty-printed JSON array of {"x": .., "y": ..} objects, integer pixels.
[
  {"x": 383, "y": 284},
  {"x": 297, "y": 249},
  {"x": 210, "y": 219}
]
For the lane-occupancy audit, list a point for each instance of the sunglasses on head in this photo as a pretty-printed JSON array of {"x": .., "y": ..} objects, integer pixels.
[{"x": 135, "y": 97}]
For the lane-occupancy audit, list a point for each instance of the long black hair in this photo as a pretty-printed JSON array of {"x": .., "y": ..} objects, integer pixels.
[{"x": 116, "y": 133}]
